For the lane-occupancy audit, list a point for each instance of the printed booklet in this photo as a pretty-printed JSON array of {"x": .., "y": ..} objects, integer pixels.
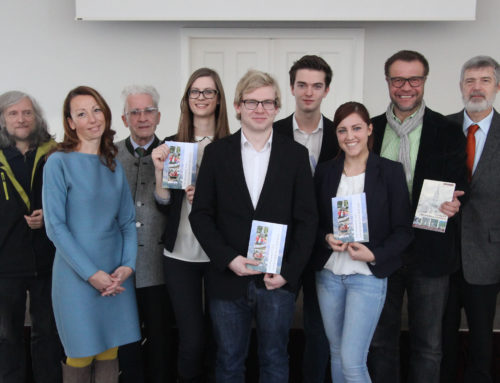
[
  {"x": 179, "y": 170},
  {"x": 267, "y": 243},
  {"x": 350, "y": 218},
  {"x": 427, "y": 215}
]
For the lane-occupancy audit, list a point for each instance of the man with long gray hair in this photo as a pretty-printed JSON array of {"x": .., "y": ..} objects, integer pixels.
[{"x": 26, "y": 254}]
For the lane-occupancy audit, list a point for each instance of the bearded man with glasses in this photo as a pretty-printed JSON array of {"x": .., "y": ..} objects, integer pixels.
[{"x": 430, "y": 147}]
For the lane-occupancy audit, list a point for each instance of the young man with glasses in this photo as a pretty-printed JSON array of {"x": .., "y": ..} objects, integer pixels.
[
  {"x": 310, "y": 79},
  {"x": 141, "y": 116},
  {"x": 253, "y": 175},
  {"x": 430, "y": 147}
]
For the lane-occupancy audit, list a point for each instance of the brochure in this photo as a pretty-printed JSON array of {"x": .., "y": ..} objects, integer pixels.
[
  {"x": 433, "y": 194},
  {"x": 179, "y": 170},
  {"x": 267, "y": 243},
  {"x": 350, "y": 218}
]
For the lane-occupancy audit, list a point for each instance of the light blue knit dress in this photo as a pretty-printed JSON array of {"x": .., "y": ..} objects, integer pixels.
[{"x": 90, "y": 216}]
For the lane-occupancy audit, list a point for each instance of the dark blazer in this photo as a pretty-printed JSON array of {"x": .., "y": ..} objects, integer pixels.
[
  {"x": 222, "y": 212},
  {"x": 480, "y": 221},
  {"x": 388, "y": 208},
  {"x": 441, "y": 156},
  {"x": 329, "y": 144}
]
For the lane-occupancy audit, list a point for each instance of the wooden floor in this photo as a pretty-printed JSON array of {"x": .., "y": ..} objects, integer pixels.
[{"x": 296, "y": 347}]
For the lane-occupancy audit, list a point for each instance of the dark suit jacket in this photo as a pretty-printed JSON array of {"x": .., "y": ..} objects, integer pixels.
[
  {"x": 388, "y": 208},
  {"x": 441, "y": 157},
  {"x": 222, "y": 212},
  {"x": 329, "y": 145},
  {"x": 481, "y": 214}
]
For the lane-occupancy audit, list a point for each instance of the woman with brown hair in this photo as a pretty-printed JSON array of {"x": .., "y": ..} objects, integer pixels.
[
  {"x": 203, "y": 120},
  {"x": 90, "y": 217},
  {"x": 351, "y": 278}
]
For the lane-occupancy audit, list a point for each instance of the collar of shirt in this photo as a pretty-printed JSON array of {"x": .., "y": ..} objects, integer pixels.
[
  {"x": 296, "y": 126},
  {"x": 136, "y": 145},
  {"x": 396, "y": 117},
  {"x": 245, "y": 144},
  {"x": 484, "y": 124}
]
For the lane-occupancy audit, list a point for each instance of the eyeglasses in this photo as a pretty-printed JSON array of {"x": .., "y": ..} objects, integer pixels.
[
  {"x": 254, "y": 104},
  {"x": 148, "y": 112},
  {"x": 399, "y": 82},
  {"x": 207, "y": 93}
]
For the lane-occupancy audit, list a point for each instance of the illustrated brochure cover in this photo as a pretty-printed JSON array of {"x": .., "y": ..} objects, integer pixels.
[
  {"x": 350, "y": 218},
  {"x": 266, "y": 245},
  {"x": 179, "y": 170},
  {"x": 433, "y": 194}
]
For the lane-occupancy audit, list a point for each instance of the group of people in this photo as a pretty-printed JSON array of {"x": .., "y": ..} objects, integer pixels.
[{"x": 111, "y": 259}]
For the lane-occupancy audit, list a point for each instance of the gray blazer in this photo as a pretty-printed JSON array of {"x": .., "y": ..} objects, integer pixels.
[
  {"x": 481, "y": 213},
  {"x": 150, "y": 221}
]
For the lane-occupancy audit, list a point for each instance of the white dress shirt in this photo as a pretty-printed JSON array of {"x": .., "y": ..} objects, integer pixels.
[
  {"x": 312, "y": 141},
  {"x": 255, "y": 165},
  {"x": 480, "y": 135}
]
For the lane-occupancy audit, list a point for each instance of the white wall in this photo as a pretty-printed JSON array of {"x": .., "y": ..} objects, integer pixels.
[{"x": 45, "y": 52}]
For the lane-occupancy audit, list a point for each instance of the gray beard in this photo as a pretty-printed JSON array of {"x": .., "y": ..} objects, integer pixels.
[{"x": 476, "y": 107}]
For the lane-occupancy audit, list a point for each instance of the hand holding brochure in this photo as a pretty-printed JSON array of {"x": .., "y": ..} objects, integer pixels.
[
  {"x": 179, "y": 170},
  {"x": 433, "y": 194},
  {"x": 350, "y": 218},
  {"x": 267, "y": 243}
]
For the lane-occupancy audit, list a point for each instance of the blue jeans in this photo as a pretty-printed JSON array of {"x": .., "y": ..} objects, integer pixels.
[
  {"x": 426, "y": 304},
  {"x": 232, "y": 323},
  {"x": 350, "y": 306}
]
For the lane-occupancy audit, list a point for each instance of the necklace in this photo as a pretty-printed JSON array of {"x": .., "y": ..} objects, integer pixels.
[{"x": 209, "y": 138}]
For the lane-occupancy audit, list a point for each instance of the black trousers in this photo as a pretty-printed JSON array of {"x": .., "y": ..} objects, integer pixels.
[
  {"x": 46, "y": 349},
  {"x": 151, "y": 360},
  {"x": 315, "y": 362},
  {"x": 480, "y": 305},
  {"x": 185, "y": 281}
]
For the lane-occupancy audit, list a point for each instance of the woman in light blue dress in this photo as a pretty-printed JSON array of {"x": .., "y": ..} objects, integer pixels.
[{"x": 90, "y": 217}]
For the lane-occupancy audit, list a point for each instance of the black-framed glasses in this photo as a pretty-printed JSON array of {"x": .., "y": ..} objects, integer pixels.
[
  {"x": 148, "y": 112},
  {"x": 399, "y": 82},
  {"x": 254, "y": 104},
  {"x": 207, "y": 93}
]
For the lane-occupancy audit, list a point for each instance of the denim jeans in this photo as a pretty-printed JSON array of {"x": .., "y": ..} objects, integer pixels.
[
  {"x": 46, "y": 349},
  {"x": 232, "y": 323},
  {"x": 350, "y": 306},
  {"x": 426, "y": 304}
]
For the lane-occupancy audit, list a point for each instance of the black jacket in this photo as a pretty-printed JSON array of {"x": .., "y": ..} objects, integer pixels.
[
  {"x": 388, "y": 208},
  {"x": 23, "y": 251},
  {"x": 441, "y": 157},
  {"x": 329, "y": 144},
  {"x": 222, "y": 212}
]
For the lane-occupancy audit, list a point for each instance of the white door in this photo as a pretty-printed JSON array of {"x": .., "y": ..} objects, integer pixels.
[{"x": 231, "y": 52}]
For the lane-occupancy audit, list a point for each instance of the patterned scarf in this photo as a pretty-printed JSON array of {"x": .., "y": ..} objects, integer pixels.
[{"x": 403, "y": 129}]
